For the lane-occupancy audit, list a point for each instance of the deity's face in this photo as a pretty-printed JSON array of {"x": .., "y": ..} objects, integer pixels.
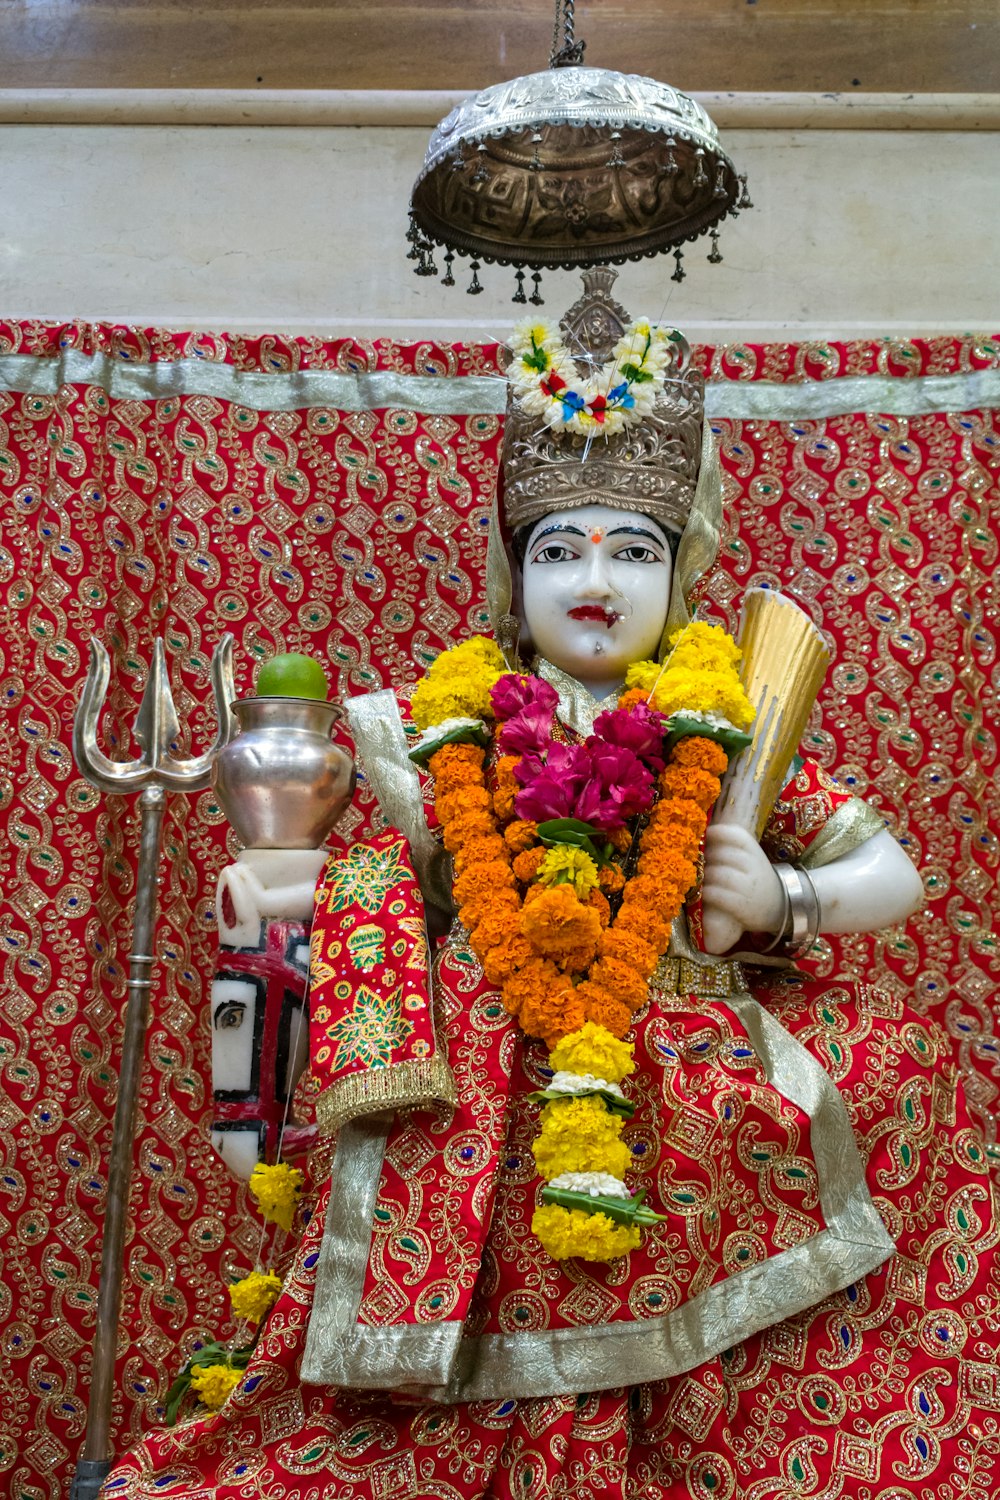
[{"x": 595, "y": 592}]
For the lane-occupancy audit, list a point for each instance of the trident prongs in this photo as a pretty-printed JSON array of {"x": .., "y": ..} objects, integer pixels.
[
  {"x": 152, "y": 774},
  {"x": 156, "y": 727}
]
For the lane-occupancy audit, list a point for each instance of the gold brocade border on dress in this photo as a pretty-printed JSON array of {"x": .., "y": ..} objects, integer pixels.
[
  {"x": 439, "y": 1362},
  {"x": 848, "y": 826},
  {"x": 416, "y": 1081},
  {"x": 711, "y": 981}
]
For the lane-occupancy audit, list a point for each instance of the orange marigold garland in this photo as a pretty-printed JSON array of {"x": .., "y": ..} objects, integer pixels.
[{"x": 534, "y": 870}]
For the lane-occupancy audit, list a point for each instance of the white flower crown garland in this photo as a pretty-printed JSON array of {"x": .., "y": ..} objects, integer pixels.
[{"x": 622, "y": 391}]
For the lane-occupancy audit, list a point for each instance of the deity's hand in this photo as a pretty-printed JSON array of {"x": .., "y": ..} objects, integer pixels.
[
  {"x": 740, "y": 892},
  {"x": 246, "y": 899}
]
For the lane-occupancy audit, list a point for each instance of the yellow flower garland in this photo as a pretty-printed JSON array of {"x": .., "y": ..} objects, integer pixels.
[
  {"x": 699, "y": 676},
  {"x": 578, "y": 1134},
  {"x": 571, "y": 1232},
  {"x": 253, "y": 1296},
  {"x": 457, "y": 684},
  {"x": 275, "y": 1189},
  {"x": 214, "y": 1384}
]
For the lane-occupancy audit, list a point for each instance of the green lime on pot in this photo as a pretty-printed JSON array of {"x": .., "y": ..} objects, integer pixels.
[{"x": 292, "y": 676}]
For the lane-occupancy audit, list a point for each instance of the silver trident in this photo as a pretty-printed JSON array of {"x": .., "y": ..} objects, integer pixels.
[{"x": 155, "y": 772}]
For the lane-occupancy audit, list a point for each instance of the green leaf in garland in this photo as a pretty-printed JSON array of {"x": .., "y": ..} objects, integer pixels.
[
  {"x": 635, "y": 375},
  {"x": 630, "y": 1211},
  {"x": 175, "y": 1396},
  {"x": 613, "y": 1103},
  {"x": 576, "y": 834},
  {"x": 537, "y": 359},
  {"x": 466, "y": 734}
]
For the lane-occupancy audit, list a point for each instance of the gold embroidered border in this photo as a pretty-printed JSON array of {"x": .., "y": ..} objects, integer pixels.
[
  {"x": 437, "y": 1361},
  {"x": 686, "y": 976},
  {"x": 401, "y": 1085},
  {"x": 849, "y": 825}
]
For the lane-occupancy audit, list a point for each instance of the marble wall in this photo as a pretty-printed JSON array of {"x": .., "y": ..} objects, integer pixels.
[{"x": 301, "y": 229}]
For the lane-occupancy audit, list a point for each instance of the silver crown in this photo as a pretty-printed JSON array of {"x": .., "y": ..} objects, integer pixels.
[{"x": 651, "y": 466}]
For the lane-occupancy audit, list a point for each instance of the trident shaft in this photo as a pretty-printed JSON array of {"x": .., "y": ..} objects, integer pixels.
[{"x": 152, "y": 774}]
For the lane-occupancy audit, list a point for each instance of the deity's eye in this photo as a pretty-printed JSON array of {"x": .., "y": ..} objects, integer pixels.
[
  {"x": 638, "y": 552},
  {"x": 229, "y": 1015},
  {"x": 555, "y": 552}
]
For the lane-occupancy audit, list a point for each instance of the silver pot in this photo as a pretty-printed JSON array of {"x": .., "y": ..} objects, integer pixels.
[{"x": 281, "y": 782}]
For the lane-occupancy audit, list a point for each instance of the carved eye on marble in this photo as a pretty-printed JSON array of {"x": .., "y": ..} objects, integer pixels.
[{"x": 229, "y": 1016}]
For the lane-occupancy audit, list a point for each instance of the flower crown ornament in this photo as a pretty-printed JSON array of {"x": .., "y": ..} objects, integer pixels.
[
  {"x": 622, "y": 390},
  {"x": 539, "y": 828}
]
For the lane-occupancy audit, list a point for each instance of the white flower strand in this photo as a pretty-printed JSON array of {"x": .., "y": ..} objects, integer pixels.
[
  {"x": 594, "y": 1184},
  {"x": 531, "y": 339},
  {"x": 583, "y": 1083},
  {"x": 437, "y": 732}
]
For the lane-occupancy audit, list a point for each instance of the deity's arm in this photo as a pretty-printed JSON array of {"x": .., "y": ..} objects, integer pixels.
[{"x": 871, "y": 886}]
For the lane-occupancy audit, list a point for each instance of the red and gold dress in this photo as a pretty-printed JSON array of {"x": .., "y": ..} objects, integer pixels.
[{"x": 817, "y": 1315}]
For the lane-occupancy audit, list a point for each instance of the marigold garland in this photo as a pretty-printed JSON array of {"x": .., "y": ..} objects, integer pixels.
[
  {"x": 253, "y": 1296},
  {"x": 214, "y": 1384},
  {"x": 458, "y": 683},
  {"x": 538, "y": 914},
  {"x": 579, "y": 1135},
  {"x": 275, "y": 1188},
  {"x": 699, "y": 675},
  {"x": 571, "y": 1232},
  {"x": 591, "y": 1050}
]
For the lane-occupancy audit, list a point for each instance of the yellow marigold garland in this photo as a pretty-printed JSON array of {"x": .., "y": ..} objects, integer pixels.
[
  {"x": 457, "y": 684},
  {"x": 214, "y": 1384},
  {"x": 592, "y": 1050},
  {"x": 571, "y": 1232},
  {"x": 253, "y": 1296},
  {"x": 699, "y": 675},
  {"x": 579, "y": 1135},
  {"x": 275, "y": 1189}
]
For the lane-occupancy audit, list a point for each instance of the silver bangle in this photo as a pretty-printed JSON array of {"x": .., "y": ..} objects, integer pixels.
[
  {"x": 816, "y": 919},
  {"x": 786, "y": 911},
  {"x": 803, "y": 913}
]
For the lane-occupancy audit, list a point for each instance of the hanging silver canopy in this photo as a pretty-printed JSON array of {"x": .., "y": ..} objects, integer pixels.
[{"x": 573, "y": 167}]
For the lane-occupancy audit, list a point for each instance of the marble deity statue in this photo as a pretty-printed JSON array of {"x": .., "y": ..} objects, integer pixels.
[{"x": 625, "y": 1201}]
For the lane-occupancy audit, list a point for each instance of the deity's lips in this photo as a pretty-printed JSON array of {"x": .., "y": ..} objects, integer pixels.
[{"x": 606, "y": 617}]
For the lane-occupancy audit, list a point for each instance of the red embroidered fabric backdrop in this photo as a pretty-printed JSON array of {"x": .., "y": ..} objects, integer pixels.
[{"x": 184, "y": 485}]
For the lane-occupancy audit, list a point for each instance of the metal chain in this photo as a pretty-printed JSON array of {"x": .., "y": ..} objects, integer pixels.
[
  {"x": 554, "y": 50},
  {"x": 570, "y": 54}
]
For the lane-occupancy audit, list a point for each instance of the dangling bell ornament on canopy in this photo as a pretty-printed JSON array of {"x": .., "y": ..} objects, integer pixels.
[{"x": 574, "y": 167}]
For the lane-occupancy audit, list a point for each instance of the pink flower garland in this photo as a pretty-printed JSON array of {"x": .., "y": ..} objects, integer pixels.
[{"x": 606, "y": 781}]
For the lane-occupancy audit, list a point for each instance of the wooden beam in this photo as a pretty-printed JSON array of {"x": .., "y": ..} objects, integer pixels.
[
  {"x": 424, "y": 108},
  {"x": 813, "y": 46}
]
